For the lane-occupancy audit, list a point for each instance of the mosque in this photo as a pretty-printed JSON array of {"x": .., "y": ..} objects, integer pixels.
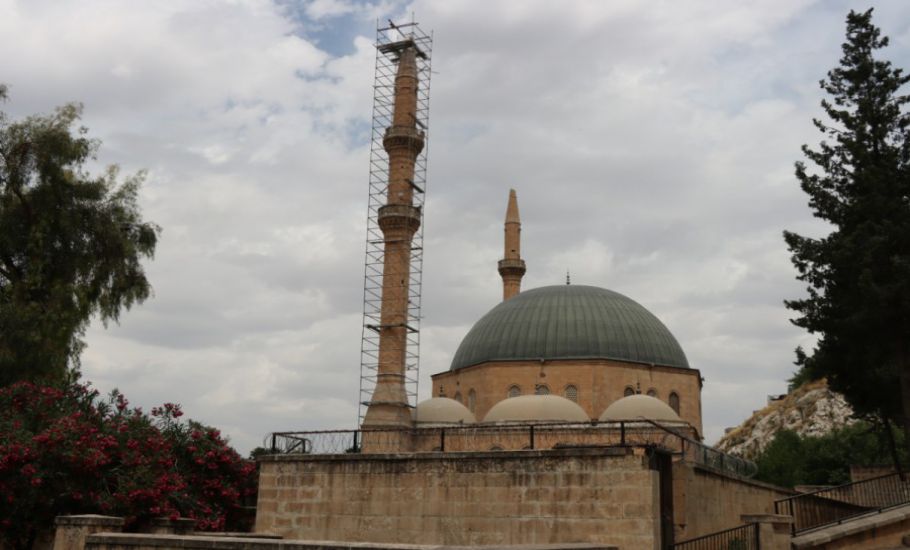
[
  {"x": 569, "y": 413},
  {"x": 576, "y": 349}
]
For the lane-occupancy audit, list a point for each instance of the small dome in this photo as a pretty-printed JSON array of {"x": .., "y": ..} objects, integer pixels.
[
  {"x": 529, "y": 408},
  {"x": 442, "y": 410},
  {"x": 637, "y": 406}
]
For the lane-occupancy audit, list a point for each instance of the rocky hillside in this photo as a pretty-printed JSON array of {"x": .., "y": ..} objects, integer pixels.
[{"x": 811, "y": 409}]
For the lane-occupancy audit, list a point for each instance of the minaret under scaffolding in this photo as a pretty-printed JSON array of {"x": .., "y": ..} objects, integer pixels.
[
  {"x": 398, "y": 219},
  {"x": 511, "y": 266}
]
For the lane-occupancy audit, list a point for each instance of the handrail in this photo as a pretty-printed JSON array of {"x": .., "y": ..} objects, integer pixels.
[
  {"x": 834, "y": 505},
  {"x": 743, "y": 537},
  {"x": 727, "y": 463},
  {"x": 834, "y": 487}
]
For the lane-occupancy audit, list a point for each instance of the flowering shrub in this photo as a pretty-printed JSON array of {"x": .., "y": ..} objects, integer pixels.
[{"x": 64, "y": 450}]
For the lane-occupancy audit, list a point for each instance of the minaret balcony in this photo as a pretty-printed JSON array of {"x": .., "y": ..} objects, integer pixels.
[
  {"x": 512, "y": 266},
  {"x": 403, "y": 137},
  {"x": 399, "y": 216}
]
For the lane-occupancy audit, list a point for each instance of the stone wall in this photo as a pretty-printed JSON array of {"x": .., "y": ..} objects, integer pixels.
[
  {"x": 705, "y": 501},
  {"x": 132, "y": 541},
  {"x": 518, "y": 437},
  {"x": 605, "y": 496},
  {"x": 599, "y": 382}
]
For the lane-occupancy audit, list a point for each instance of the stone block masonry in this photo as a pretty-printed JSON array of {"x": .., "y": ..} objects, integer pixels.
[
  {"x": 133, "y": 541},
  {"x": 705, "y": 501},
  {"x": 606, "y": 495}
]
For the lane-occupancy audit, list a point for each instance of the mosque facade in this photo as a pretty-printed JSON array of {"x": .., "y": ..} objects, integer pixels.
[
  {"x": 589, "y": 345},
  {"x": 569, "y": 413}
]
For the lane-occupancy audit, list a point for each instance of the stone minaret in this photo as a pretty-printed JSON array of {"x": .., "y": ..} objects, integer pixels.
[
  {"x": 398, "y": 219},
  {"x": 511, "y": 266}
]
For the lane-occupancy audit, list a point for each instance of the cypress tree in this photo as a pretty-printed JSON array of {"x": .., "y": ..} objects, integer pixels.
[{"x": 858, "y": 276}]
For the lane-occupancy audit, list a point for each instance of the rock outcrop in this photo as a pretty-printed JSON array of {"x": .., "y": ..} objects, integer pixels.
[{"x": 811, "y": 409}]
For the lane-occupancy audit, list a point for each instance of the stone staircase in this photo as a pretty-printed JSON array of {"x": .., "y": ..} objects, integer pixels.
[{"x": 886, "y": 530}]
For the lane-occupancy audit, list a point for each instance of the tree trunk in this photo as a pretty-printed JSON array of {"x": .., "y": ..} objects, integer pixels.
[
  {"x": 904, "y": 376},
  {"x": 905, "y": 400},
  {"x": 892, "y": 446}
]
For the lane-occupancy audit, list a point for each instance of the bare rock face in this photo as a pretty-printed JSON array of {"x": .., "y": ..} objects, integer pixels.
[{"x": 811, "y": 409}]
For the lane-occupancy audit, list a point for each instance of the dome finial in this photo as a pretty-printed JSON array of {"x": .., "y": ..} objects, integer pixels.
[{"x": 568, "y": 278}]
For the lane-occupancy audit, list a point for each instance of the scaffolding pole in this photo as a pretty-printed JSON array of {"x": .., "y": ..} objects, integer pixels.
[{"x": 387, "y": 37}]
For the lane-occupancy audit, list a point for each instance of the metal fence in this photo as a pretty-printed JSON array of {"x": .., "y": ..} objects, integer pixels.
[
  {"x": 511, "y": 437},
  {"x": 711, "y": 458},
  {"x": 836, "y": 504},
  {"x": 744, "y": 537}
]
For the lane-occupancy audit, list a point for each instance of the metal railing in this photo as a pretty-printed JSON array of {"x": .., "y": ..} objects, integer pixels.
[
  {"x": 510, "y": 437},
  {"x": 713, "y": 459},
  {"x": 836, "y": 504},
  {"x": 744, "y": 537}
]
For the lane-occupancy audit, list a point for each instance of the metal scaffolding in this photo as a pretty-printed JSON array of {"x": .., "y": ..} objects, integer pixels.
[{"x": 383, "y": 106}]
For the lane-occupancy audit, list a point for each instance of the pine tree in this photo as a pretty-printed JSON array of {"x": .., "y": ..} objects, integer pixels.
[{"x": 858, "y": 276}]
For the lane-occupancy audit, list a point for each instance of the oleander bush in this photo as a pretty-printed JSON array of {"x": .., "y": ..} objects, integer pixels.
[{"x": 66, "y": 450}]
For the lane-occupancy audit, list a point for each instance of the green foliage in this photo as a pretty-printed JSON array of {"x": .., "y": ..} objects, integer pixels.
[
  {"x": 70, "y": 243},
  {"x": 791, "y": 460},
  {"x": 800, "y": 377},
  {"x": 858, "y": 276}
]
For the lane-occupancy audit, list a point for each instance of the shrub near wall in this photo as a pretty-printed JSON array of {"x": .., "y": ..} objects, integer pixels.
[{"x": 63, "y": 450}]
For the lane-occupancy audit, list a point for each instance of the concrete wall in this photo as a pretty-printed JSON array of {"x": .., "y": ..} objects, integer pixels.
[
  {"x": 706, "y": 502},
  {"x": 526, "y": 497},
  {"x": 600, "y": 382}
]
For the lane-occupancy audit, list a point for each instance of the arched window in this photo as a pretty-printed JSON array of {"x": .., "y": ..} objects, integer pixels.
[
  {"x": 652, "y": 392},
  {"x": 541, "y": 389},
  {"x": 514, "y": 391},
  {"x": 458, "y": 396},
  {"x": 472, "y": 399},
  {"x": 571, "y": 393},
  {"x": 629, "y": 391},
  {"x": 674, "y": 401}
]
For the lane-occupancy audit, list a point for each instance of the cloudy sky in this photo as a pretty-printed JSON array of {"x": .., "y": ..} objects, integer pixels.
[{"x": 651, "y": 145}]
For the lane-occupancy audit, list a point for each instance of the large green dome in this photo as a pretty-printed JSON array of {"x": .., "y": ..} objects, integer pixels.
[{"x": 569, "y": 322}]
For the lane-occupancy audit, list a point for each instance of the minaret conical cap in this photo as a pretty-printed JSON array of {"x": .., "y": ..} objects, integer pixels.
[{"x": 512, "y": 208}]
